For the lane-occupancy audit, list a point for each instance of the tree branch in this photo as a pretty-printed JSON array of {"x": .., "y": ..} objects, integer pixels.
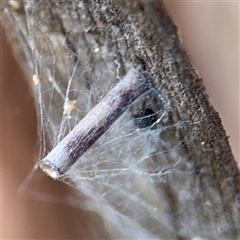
[{"x": 185, "y": 182}]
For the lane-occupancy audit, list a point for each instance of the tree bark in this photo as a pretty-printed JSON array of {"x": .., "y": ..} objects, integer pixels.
[{"x": 186, "y": 182}]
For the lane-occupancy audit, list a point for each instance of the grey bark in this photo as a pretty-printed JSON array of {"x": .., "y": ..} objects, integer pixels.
[{"x": 188, "y": 182}]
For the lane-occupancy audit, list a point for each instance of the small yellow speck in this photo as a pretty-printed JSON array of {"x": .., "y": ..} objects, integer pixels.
[
  {"x": 35, "y": 79},
  {"x": 69, "y": 106},
  {"x": 15, "y": 4}
]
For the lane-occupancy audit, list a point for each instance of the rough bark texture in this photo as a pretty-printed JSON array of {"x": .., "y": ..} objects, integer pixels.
[{"x": 188, "y": 185}]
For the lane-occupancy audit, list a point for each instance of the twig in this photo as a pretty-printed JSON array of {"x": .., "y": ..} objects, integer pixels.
[{"x": 95, "y": 123}]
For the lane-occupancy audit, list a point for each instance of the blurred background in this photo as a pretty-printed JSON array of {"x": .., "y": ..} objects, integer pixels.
[{"x": 210, "y": 33}]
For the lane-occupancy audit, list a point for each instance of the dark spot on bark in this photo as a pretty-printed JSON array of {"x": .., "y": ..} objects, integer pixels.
[{"x": 145, "y": 118}]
